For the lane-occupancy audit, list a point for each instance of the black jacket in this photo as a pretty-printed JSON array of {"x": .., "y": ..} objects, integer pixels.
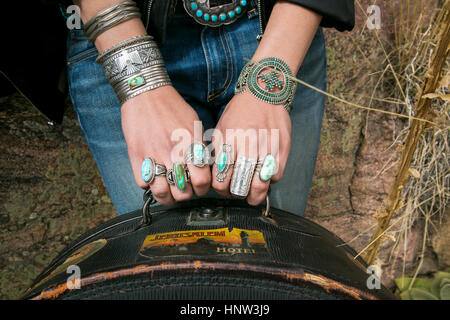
[
  {"x": 36, "y": 58},
  {"x": 337, "y": 14}
]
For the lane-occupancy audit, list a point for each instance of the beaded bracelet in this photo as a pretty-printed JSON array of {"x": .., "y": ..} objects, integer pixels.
[{"x": 268, "y": 71}]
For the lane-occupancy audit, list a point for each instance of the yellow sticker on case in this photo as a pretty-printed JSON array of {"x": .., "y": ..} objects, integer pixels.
[{"x": 204, "y": 242}]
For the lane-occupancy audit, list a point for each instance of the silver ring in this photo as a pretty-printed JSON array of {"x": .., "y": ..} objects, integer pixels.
[
  {"x": 150, "y": 169},
  {"x": 179, "y": 176},
  {"x": 242, "y": 176},
  {"x": 197, "y": 154},
  {"x": 160, "y": 170},
  {"x": 259, "y": 164},
  {"x": 169, "y": 177},
  {"x": 223, "y": 162}
]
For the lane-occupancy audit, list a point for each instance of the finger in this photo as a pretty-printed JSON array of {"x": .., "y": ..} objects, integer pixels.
[
  {"x": 246, "y": 157},
  {"x": 161, "y": 191},
  {"x": 198, "y": 166},
  {"x": 264, "y": 170},
  {"x": 159, "y": 186},
  {"x": 200, "y": 179},
  {"x": 223, "y": 166},
  {"x": 181, "y": 189},
  {"x": 136, "y": 165},
  {"x": 281, "y": 158},
  {"x": 261, "y": 179},
  {"x": 258, "y": 191}
]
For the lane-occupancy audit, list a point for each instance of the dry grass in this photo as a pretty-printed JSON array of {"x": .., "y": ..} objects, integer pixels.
[
  {"x": 418, "y": 27},
  {"x": 421, "y": 188}
]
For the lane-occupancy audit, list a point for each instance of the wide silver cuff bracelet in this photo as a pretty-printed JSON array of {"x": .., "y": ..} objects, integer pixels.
[{"x": 134, "y": 66}]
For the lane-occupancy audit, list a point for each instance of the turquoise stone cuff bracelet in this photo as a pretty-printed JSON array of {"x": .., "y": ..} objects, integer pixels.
[
  {"x": 268, "y": 80},
  {"x": 134, "y": 66}
]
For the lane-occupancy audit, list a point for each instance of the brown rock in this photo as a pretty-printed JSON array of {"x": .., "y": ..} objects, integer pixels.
[
  {"x": 375, "y": 166},
  {"x": 441, "y": 242}
]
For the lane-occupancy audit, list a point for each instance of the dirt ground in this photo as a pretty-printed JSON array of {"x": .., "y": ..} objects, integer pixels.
[{"x": 51, "y": 191}]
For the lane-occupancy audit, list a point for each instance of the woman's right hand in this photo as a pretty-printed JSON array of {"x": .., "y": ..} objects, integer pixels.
[{"x": 148, "y": 122}]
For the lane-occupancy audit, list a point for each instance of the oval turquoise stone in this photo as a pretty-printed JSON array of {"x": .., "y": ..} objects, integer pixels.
[
  {"x": 135, "y": 82},
  {"x": 268, "y": 168},
  {"x": 223, "y": 16},
  {"x": 222, "y": 161},
  {"x": 199, "y": 13},
  {"x": 238, "y": 10},
  {"x": 231, "y": 14},
  {"x": 214, "y": 18},
  {"x": 243, "y": 3},
  {"x": 206, "y": 17},
  {"x": 178, "y": 171},
  {"x": 146, "y": 170},
  {"x": 194, "y": 6},
  {"x": 198, "y": 151}
]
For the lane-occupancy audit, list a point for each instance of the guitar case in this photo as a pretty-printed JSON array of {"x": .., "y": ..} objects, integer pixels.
[{"x": 207, "y": 249}]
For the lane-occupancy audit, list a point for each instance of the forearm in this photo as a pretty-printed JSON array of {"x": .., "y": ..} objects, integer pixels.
[
  {"x": 288, "y": 34},
  {"x": 128, "y": 29}
]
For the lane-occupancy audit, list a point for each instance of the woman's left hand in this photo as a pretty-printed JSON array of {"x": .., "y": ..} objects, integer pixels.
[{"x": 253, "y": 128}]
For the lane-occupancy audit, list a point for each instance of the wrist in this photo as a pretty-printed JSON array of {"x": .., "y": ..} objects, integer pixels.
[
  {"x": 153, "y": 97},
  {"x": 109, "y": 22},
  {"x": 288, "y": 34},
  {"x": 270, "y": 80},
  {"x": 126, "y": 30}
]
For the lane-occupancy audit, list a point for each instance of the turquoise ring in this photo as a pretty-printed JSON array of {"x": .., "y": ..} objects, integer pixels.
[
  {"x": 266, "y": 168},
  {"x": 223, "y": 162},
  {"x": 197, "y": 154},
  {"x": 179, "y": 176},
  {"x": 150, "y": 169}
]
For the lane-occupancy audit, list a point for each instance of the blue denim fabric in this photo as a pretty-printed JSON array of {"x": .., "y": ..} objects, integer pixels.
[{"x": 203, "y": 64}]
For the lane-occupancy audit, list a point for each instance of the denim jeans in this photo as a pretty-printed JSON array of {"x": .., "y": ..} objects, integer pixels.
[{"x": 203, "y": 64}]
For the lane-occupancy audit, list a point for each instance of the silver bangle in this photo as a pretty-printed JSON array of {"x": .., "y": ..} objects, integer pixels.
[
  {"x": 111, "y": 17},
  {"x": 101, "y": 21},
  {"x": 124, "y": 16},
  {"x": 108, "y": 11}
]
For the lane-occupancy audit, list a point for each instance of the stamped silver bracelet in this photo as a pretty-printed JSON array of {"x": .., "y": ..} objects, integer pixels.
[{"x": 133, "y": 67}]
